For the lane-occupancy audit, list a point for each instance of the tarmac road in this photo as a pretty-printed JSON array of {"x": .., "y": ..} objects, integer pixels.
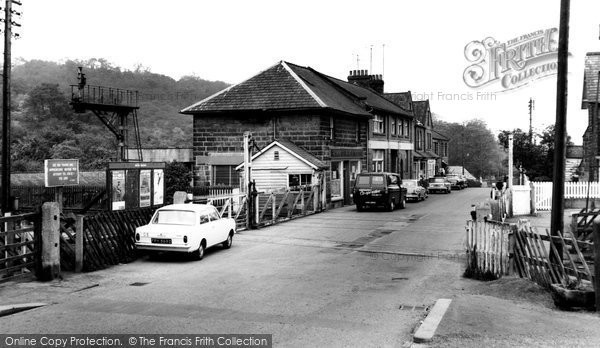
[{"x": 339, "y": 278}]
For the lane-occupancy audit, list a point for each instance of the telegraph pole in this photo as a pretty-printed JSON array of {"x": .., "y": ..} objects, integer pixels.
[
  {"x": 558, "y": 182},
  {"x": 531, "y": 107},
  {"x": 6, "y": 204}
]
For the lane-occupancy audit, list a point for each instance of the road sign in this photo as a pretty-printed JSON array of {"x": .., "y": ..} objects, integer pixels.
[{"x": 61, "y": 172}]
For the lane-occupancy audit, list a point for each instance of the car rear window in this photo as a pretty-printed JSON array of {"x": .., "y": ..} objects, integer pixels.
[
  {"x": 363, "y": 181},
  {"x": 175, "y": 217}
]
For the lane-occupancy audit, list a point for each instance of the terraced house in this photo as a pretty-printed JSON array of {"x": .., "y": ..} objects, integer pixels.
[
  {"x": 425, "y": 160},
  {"x": 314, "y": 118}
]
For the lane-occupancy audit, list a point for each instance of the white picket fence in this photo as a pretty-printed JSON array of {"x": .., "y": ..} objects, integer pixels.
[{"x": 573, "y": 190}]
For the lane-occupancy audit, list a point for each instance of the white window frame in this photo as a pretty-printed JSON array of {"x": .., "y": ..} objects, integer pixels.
[
  {"x": 378, "y": 160},
  {"x": 379, "y": 124}
]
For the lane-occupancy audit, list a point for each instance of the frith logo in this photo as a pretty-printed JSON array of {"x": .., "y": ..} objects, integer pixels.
[{"x": 514, "y": 63}]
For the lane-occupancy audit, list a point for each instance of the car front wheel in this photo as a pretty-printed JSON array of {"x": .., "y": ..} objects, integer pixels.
[
  {"x": 391, "y": 205},
  {"x": 403, "y": 203}
]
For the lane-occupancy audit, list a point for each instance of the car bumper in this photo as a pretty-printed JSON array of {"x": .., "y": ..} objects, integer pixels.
[
  {"x": 165, "y": 247},
  {"x": 411, "y": 196},
  {"x": 434, "y": 189}
]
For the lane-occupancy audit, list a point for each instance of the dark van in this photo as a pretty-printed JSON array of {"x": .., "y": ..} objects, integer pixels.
[{"x": 379, "y": 189}]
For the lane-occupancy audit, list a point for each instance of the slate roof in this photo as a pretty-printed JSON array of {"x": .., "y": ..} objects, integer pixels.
[
  {"x": 404, "y": 99},
  {"x": 420, "y": 109},
  {"x": 286, "y": 86},
  {"x": 438, "y": 135},
  {"x": 590, "y": 78},
  {"x": 574, "y": 151}
]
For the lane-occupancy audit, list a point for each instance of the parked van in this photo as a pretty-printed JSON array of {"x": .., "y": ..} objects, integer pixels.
[{"x": 379, "y": 189}]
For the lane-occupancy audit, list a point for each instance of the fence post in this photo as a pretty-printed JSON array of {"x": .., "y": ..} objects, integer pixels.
[
  {"x": 532, "y": 198},
  {"x": 50, "y": 241},
  {"x": 596, "y": 263},
  {"x": 79, "y": 244}
]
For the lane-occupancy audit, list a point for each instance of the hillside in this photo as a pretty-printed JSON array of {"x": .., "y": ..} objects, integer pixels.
[{"x": 45, "y": 127}]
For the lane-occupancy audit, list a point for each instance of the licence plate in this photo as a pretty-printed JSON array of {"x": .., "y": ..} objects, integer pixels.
[{"x": 161, "y": 241}]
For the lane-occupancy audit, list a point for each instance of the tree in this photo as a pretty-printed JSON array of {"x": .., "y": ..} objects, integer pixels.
[
  {"x": 177, "y": 178},
  {"x": 472, "y": 144},
  {"x": 536, "y": 159}
]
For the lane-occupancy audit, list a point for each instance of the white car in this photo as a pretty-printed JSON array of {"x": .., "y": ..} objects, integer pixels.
[{"x": 187, "y": 228}]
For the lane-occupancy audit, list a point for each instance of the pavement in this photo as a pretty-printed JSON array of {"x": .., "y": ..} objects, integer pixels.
[{"x": 337, "y": 278}]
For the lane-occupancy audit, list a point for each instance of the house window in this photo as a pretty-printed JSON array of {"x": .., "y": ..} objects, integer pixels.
[
  {"x": 378, "y": 160},
  {"x": 436, "y": 148},
  {"x": 428, "y": 141},
  {"x": 331, "y": 128},
  {"x": 299, "y": 179},
  {"x": 224, "y": 175},
  {"x": 379, "y": 125},
  {"x": 401, "y": 128},
  {"x": 357, "y": 131},
  {"x": 276, "y": 155},
  {"x": 393, "y": 126},
  {"x": 407, "y": 132}
]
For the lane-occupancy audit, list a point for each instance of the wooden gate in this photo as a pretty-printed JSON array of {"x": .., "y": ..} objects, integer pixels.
[
  {"x": 537, "y": 259},
  {"x": 108, "y": 238},
  {"x": 20, "y": 237},
  {"x": 233, "y": 206},
  {"x": 279, "y": 206},
  {"x": 488, "y": 249}
]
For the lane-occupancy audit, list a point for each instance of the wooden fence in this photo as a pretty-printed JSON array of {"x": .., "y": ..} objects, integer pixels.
[
  {"x": 74, "y": 197},
  {"x": 573, "y": 190},
  {"x": 488, "y": 249},
  {"x": 537, "y": 258},
  {"x": 20, "y": 237},
  {"x": 108, "y": 238},
  {"x": 495, "y": 249}
]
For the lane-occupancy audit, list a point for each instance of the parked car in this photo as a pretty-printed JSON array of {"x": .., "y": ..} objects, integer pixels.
[
  {"x": 439, "y": 184},
  {"x": 185, "y": 228},
  {"x": 379, "y": 189},
  {"x": 457, "y": 181},
  {"x": 414, "y": 191}
]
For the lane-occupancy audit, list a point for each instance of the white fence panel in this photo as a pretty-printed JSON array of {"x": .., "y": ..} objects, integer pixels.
[{"x": 573, "y": 190}]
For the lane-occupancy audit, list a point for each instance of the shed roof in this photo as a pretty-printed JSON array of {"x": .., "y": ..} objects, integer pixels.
[{"x": 294, "y": 150}]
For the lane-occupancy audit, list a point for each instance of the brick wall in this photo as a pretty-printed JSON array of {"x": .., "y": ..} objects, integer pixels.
[{"x": 224, "y": 134}]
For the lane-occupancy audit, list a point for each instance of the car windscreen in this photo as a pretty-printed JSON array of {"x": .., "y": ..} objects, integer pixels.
[
  {"x": 437, "y": 180},
  {"x": 175, "y": 217},
  {"x": 378, "y": 181}
]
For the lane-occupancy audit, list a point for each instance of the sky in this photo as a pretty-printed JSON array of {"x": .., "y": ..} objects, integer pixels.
[{"x": 417, "y": 46}]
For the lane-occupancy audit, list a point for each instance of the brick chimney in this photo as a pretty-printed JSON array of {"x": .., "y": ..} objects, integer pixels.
[{"x": 362, "y": 78}]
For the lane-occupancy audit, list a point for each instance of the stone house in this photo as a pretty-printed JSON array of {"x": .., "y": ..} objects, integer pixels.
[
  {"x": 425, "y": 160},
  {"x": 440, "y": 148},
  {"x": 328, "y": 118},
  {"x": 590, "y": 163},
  {"x": 401, "y": 132}
]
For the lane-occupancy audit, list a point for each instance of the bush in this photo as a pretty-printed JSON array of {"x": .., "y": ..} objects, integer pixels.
[{"x": 473, "y": 183}]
